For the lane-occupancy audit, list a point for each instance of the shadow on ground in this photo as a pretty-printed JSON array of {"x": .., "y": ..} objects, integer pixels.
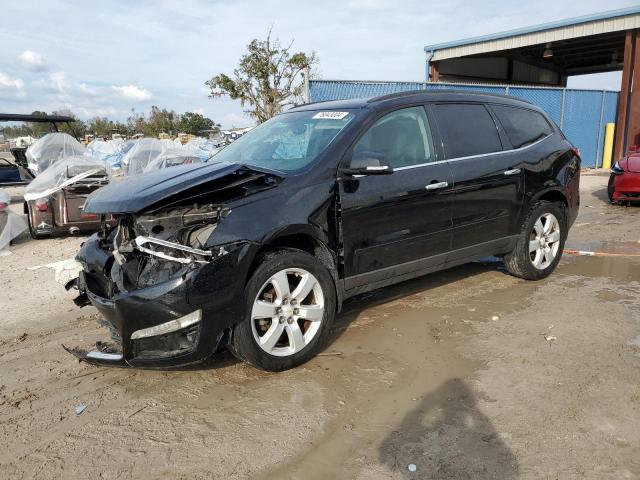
[{"x": 447, "y": 436}]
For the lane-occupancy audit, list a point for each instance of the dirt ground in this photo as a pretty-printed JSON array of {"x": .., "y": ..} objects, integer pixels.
[{"x": 467, "y": 373}]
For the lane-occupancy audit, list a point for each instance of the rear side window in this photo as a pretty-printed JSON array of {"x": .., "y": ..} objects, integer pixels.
[
  {"x": 523, "y": 127},
  {"x": 467, "y": 129}
]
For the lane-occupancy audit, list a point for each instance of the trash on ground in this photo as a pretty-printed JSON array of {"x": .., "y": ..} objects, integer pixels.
[
  {"x": 80, "y": 408},
  {"x": 495, "y": 318},
  {"x": 11, "y": 224},
  {"x": 65, "y": 270},
  {"x": 412, "y": 467}
]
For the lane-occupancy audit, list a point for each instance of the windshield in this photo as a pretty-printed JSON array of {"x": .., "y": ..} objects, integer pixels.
[{"x": 287, "y": 142}]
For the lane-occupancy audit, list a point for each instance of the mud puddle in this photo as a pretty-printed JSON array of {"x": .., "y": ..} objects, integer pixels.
[{"x": 621, "y": 269}]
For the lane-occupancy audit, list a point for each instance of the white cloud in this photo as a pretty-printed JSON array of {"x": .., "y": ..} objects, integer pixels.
[
  {"x": 7, "y": 82},
  {"x": 33, "y": 61},
  {"x": 132, "y": 92},
  {"x": 58, "y": 82},
  {"x": 236, "y": 120},
  {"x": 88, "y": 90}
]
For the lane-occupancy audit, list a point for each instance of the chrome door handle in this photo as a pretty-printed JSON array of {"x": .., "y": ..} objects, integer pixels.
[
  {"x": 436, "y": 186},
  {"x": 513, "y": 171}
]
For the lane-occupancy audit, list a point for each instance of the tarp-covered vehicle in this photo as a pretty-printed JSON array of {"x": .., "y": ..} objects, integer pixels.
[
  {"x": 17, "y": 172},
  {"x": 149, "y": 154},
  {"x": 54, "y": 200},
  {"x": 51, "y": 148}
]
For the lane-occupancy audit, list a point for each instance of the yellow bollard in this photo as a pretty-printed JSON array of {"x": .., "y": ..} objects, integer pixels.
[{"x": 608, "y": 145}]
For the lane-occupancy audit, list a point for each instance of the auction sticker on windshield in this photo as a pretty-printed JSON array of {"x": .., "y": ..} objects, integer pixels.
[{"x": 330, "y": 115}]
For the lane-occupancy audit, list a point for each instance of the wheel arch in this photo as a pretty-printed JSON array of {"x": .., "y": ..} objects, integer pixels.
[
  {"x": 553, "y": 195},
  {"x": 306, "y": 239}
]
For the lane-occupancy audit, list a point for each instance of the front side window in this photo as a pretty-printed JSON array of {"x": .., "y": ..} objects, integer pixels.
[
  {"x": 523, "y": 127},
  {"x": 287, "y": 142},
  {"x": 400, "y": 139},
  {"x": 467, "y": 129}
]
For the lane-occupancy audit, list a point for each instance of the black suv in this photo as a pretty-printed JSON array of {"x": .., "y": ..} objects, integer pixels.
[{"x": 257, "y": 249}]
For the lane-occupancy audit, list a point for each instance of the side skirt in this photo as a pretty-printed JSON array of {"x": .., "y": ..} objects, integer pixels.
[{"x": 384, "y": 277}]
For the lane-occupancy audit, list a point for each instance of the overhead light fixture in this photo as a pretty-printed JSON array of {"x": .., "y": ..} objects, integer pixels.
[{"x": 548, "y": 53}]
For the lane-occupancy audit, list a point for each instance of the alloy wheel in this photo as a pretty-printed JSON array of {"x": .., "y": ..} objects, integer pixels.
[
  {"x": 287, "y": 312},
  {"x": 544, "y": 241}
]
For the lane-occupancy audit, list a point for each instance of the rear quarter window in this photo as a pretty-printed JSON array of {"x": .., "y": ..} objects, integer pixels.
[
  {"x": 467, "y": 129},
  {"x": 523, "y": 127}
]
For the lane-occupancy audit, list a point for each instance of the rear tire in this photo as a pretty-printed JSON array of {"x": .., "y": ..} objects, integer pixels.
[
  {"x": 290, "y": 306},
  {"x": 540, "y": 243}
]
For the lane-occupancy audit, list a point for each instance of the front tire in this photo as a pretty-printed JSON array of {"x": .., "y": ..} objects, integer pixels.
[
  {"x": 611, "y": 188},
  {"x": 540, "y": 243},
  {"x": 290, "y": 306}
]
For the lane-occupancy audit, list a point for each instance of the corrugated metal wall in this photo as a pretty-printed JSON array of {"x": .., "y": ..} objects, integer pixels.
[{"x": 582, "y": 114}]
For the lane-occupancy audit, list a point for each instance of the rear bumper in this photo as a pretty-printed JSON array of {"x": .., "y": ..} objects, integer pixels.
[{"x": 216, "y": 289}]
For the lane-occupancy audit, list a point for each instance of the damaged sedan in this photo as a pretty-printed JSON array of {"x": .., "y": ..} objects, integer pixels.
[{"x": 256, "y": 250}]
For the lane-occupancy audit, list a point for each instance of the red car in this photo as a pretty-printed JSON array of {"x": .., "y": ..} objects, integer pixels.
[{"x": 624, "y": 183}]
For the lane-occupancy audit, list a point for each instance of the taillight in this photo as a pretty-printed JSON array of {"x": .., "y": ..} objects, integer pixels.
[
  {"x": 576, "y": 151},
  {"x": 3, "y": 206},
  {"x": 42, "y": 205}
]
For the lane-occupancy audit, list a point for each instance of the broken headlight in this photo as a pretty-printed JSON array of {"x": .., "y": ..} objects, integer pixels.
[
  {"x": 178, "y": 234},
  {"x": 154, "y": 247}
]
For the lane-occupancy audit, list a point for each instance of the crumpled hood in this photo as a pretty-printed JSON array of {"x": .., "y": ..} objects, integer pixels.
[{"x": 136, "y": 193}]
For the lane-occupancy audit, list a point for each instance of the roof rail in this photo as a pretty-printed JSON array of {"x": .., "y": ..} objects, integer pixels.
[{"x": 411, "y": 93}]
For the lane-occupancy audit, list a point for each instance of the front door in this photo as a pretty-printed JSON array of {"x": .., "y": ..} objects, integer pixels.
[{"x": 399, "y": 223}]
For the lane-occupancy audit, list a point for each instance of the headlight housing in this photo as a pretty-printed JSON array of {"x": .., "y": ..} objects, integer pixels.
[{"x": 617, "y": 169}]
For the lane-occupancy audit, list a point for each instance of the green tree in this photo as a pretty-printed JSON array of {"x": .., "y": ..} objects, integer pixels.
[
  {"x": 75, "y": 129},
  {"x": 268, "y": 78},
  {"x": 103, "y": 127},
  {"x": 161, "y": 121},
  {"x": 195, "y": 123}
]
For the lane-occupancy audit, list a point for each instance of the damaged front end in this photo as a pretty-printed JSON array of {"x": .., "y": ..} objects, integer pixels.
[
  {"x": 168, "y": 284},
  {"x": 136, "y": 275}
]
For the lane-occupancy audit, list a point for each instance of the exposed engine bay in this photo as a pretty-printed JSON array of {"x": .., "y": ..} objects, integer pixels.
[{"x": 151, "y": 248}]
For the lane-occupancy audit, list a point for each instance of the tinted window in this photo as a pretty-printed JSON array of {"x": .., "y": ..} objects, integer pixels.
[
  {"x": 523, "y": 127},
  {"x": 467, "y": 130},
  {"x": 401, "y": 138}
]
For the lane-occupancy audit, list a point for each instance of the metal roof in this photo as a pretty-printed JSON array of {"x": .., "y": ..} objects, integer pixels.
[
  {"x": 586, "y": 25},
  {"x": 18, "y": 117}
]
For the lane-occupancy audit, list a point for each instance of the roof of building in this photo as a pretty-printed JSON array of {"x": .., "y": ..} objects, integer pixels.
[
  {"x": 18, "y": 117},
  {"x": 586, "y": 25}
]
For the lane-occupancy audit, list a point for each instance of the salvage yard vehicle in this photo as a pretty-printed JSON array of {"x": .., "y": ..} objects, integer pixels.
[
  {"x": 257, "y": 249},
  {"x": 54, "y": 200},
  {"x": 17, "y": 172},
  {"x": 624, "y": 181}
]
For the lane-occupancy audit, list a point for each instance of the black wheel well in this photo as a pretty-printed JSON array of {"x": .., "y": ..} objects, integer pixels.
[{"x": 554, "y": 196}]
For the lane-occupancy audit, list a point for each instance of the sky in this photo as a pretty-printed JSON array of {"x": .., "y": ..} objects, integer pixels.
[{"x": 109, "y": 57}]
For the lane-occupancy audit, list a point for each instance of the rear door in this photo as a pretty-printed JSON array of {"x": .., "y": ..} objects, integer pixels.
[
  {"x": 488, "y": 187},
  {"x": 399, "y": 223}
]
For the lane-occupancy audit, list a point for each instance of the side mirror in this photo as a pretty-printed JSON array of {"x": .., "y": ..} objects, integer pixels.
[{"x": 368, "y": 163}]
